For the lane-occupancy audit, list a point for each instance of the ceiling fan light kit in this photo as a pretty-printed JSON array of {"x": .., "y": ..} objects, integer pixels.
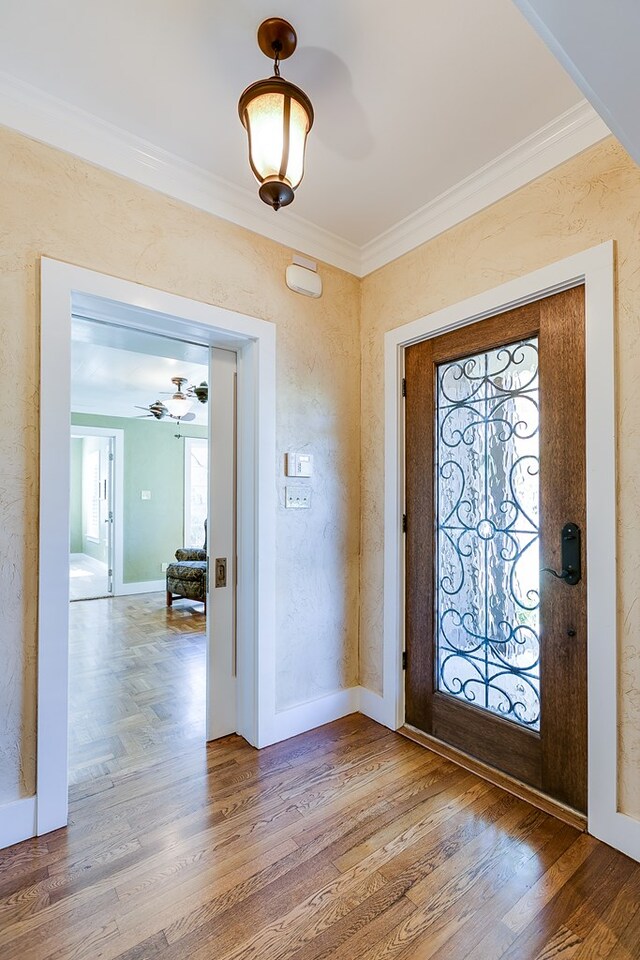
[
  {"x": 179, "y": 404},
  {"x": 277, "y": 116},
  {"x": 178, "y": 407}
]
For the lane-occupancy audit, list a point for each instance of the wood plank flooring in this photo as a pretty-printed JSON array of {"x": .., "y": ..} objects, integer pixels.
[{"x": 346, "y": 842}]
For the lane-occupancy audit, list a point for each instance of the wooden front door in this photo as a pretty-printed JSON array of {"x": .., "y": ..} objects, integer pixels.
[{"x": 495, "y": 493}]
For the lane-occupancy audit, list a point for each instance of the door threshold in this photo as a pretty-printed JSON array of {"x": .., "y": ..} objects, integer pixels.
[{"x": 499, "y": 779}]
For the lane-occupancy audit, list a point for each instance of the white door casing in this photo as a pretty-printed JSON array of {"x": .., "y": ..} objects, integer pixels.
[
  {"x": 63, "y": 288},
  {"x": 594, "y": 268}
]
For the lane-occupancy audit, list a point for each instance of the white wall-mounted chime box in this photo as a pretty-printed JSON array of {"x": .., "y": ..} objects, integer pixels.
[{"x": 302, "y": 277}]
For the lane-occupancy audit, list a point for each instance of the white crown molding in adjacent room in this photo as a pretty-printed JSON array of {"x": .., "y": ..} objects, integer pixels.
[
  {"x": 562, "y": 138},
  {"x": 56, "y": 122}
]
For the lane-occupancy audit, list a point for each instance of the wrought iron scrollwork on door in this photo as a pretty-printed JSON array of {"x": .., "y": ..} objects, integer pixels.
[{"x": 487, "y": 567}]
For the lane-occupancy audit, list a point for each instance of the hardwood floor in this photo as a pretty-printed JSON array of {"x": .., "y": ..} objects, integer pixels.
[
  {"x": 136, "y": 684},
  {"x": 346, "y": 842}
]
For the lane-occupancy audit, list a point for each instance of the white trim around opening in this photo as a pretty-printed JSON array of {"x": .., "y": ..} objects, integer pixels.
[
  {"x": 255, "y": 342},
  {"x": 594, "y": 268}
]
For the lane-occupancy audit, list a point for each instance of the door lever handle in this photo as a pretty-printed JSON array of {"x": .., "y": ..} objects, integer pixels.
[
  {"x": 571, "y": 571},
  {"x": 565, "y": 575}
]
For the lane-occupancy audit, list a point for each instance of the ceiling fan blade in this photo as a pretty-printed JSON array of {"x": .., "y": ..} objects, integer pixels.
[
  {"x": 138, "y": 407},
  {"x": 143, "y": 416},
  {"x": 187, "y": 417}
]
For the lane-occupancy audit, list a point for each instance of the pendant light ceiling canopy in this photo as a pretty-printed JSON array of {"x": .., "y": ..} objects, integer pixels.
[{"x": 277, "y": 116}]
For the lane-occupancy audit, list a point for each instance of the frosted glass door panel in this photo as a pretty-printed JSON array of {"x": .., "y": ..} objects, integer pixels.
[{"x": 487, "y": 526}]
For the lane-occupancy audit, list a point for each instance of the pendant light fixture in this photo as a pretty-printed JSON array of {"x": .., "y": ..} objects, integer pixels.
[{"x": 277, "y": 117}]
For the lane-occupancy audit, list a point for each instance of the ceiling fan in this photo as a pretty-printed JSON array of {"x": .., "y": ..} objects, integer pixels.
[
  {"x": 157, "y": 410},
  {"x": 179, "y": 406},
  {"x": 198, "y": 392}
]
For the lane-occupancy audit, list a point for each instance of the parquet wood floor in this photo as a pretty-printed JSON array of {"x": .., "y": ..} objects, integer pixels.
[
  {"x": 346, "y": 842},
  {"x": 136, "y": 685}
]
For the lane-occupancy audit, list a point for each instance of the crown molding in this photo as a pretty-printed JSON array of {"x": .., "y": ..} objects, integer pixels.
[
  {"x": 562, "y": 138},
  {"x": 42, "y": 117}
]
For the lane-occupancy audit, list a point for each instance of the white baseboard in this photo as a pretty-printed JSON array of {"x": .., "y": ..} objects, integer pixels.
[
  {"x": 376, "y": 707},
  {"x": 307, "y": 716},
  {"x": 145, "y": 586},
  {"x": 618, "y": 830},
  {"x": 17, "y": 821}
]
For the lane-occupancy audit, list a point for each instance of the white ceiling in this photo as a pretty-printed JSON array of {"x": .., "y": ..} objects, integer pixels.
[
  {"x": 598, "y": 45},
  {"x": 411, "y": 98},
  {"x": 116, "y": 369}
]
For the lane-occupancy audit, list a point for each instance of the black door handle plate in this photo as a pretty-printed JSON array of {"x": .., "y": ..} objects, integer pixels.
[{"x": 571, "y": 571}]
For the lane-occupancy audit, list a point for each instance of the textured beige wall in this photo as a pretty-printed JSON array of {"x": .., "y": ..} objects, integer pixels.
[
  {"x": 55, "y": 205},
  {"x": 591, "y": 198}
]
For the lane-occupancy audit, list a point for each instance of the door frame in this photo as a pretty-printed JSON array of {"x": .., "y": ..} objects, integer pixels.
[
  {"x": 595, "y": 268},
  {"x": 118, "y": 495},
  {"x": 66, "y": 288}
]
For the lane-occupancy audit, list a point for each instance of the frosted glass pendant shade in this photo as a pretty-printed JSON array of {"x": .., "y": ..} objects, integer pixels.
[{"x": 277, "y": 117}]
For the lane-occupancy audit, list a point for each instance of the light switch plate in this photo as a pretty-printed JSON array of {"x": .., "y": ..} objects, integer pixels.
[
  {"x": 299, "y": 464},
  {"x": 297, "y": 498},
  {"x": 145, "y": 494}
]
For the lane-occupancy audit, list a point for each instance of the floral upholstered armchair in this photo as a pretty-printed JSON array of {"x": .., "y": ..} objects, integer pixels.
[{"x": 187, "y": 577}]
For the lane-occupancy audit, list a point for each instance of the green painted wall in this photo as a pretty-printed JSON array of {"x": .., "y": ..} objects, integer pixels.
[
  {"x": 153, "y": 460},
  {"x": 75, "y": 538}
]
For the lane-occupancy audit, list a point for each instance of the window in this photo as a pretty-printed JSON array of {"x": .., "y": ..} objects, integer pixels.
[
  {"x": 196, "y": 469},
  {"x": 91, "y": 494}
]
